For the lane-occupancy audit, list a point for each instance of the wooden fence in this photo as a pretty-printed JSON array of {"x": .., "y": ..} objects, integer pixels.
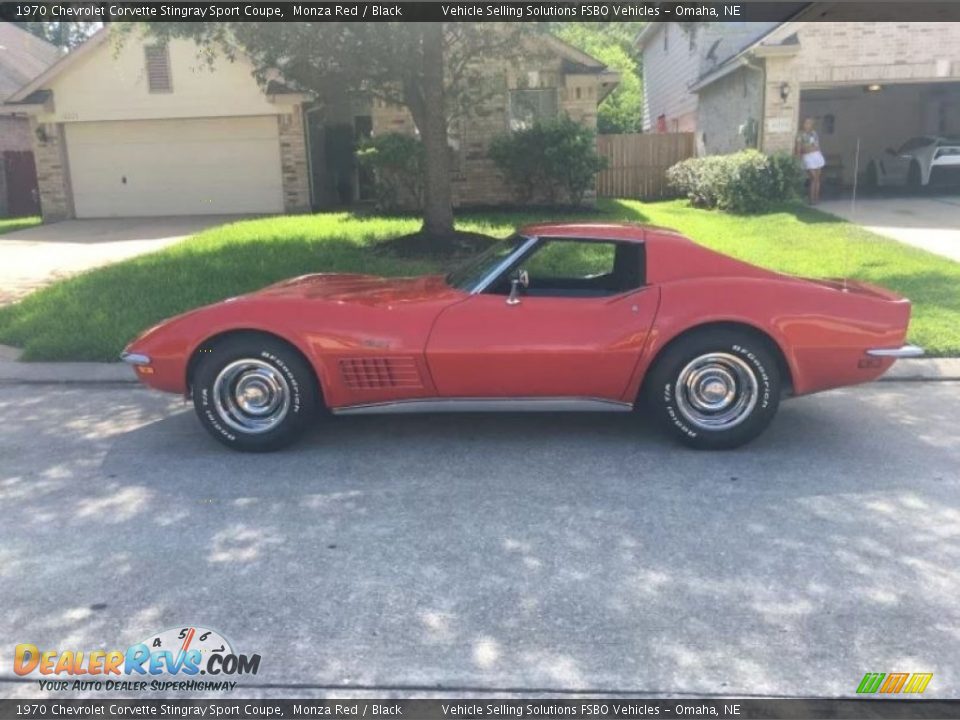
[{"x": 637, "y": 164}]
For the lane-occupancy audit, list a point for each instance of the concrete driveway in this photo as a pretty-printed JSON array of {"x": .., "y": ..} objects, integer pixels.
[
  {"x": 480, "y": 552},
  {"x": 32, "y": 258},
  {"x": 930, "y": 222}
]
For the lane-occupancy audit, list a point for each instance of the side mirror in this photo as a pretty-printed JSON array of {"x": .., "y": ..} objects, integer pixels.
[
  {"x": 514, "y": 297},
  {"x": 520, "y": 279}
]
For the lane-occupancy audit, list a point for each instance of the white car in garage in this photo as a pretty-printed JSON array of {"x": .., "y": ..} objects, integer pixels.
[{"x": 919, "y": 161}]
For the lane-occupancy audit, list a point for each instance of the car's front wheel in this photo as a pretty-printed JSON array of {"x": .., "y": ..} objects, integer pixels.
[
  {"x": 254, "y": 393},
  {"x": 715, "y": 389}
]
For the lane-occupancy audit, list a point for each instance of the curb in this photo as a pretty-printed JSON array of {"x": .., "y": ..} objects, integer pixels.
[
  {"x": 66, "y": 373},
  {"x": 924, "y": 370},
  {"x": 69, "y": 373}
]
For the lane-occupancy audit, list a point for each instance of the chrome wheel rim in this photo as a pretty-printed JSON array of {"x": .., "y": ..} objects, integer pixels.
[
  {"x": 716, "y": 391},
  {"x": 251, "y": 396}
]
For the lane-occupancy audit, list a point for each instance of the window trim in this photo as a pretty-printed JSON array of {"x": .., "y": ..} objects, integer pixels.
[{"x": 164, "y": 48}]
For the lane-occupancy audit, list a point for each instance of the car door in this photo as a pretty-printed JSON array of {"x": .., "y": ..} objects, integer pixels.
[{"x": 577, "y": 330}]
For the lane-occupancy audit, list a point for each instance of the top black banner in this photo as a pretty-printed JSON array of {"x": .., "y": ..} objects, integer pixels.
[
  {"x": 602, "y": 708},
  {"x": 480, "y": 11}
]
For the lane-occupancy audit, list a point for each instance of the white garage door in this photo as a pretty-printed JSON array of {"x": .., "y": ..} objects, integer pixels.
[{"x": 175, "y": 167}]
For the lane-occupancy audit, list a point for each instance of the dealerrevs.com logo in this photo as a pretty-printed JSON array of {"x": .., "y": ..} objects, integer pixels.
[{"x": 171, "y": 660}]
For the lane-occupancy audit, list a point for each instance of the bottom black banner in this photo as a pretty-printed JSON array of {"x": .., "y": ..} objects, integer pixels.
[{"x": 579, "y": 709}]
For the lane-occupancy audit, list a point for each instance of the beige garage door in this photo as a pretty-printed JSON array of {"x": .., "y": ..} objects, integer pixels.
[{"x": 175, "y": 167}]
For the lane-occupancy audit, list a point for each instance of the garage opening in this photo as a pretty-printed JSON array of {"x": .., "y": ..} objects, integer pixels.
[
  {"x": 909, "y": 135},
  {"x": 175, "y": 167}
]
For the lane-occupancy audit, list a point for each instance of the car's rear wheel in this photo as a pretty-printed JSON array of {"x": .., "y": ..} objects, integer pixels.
[
  {"x": 254, "y": 393},
  {"x": 913, "y": 177},
  {"x": 714, "y": 389},
  {"x": 872, "y": 179}
]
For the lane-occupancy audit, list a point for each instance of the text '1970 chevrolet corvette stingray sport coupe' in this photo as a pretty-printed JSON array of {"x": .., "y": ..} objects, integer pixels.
[{"x": 610, "y": 317}]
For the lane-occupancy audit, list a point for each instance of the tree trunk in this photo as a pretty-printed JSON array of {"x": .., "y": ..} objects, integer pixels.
[{"x": 432, "y": 122}]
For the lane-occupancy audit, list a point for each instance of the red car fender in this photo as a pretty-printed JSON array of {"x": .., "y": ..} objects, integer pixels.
[
  {"x": 172, "y": 344},
  {"x": 822, "y": 332},
  {"x": 688, "y": 305}
]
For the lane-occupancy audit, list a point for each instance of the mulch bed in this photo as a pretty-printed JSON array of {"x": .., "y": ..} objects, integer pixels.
[{"x": 419, "y": 244}]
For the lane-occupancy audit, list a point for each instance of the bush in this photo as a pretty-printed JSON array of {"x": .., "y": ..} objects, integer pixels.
[
  {"x": 745, "y": 182},
  {"x": 397, "y": 162},
  {"x": 553, "y": 161}
]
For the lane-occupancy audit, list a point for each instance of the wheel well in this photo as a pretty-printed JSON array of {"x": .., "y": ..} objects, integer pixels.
[
  {"x": 231, "y": 334},
  {"x": 772, "y": 345}
]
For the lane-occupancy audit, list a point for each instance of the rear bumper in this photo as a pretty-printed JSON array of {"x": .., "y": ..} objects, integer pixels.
[{"x": 905, "y": 351}]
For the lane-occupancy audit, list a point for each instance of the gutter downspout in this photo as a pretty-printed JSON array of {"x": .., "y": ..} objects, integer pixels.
[{"x": 762, "y": 69}]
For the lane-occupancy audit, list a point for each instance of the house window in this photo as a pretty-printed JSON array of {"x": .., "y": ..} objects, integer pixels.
[
  {"x": 528, "y": 106},
  {"x": 158, "y": 68}
]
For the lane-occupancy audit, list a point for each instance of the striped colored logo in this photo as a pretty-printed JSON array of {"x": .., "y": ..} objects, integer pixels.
[{"x": 892, "y": 683}]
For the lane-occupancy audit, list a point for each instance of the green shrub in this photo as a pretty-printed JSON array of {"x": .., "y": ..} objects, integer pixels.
[
  {"x": 549, "y": 162},
  {"x": 397, "y": 162},
  {"x": 745, "y": 182}
]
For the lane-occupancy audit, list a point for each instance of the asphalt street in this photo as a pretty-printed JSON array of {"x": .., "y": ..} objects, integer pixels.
[{"x": 464, "y": 553}]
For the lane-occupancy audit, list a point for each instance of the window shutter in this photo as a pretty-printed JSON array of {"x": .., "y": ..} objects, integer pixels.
[{"x": 158, "y": 68}]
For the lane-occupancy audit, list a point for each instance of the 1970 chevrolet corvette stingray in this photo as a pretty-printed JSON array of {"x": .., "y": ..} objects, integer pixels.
[{"x": 612, "y": 317}]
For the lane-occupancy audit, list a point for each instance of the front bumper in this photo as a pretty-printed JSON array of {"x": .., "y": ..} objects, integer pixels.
[
  {"x": 906, "y": 351},
  {"x": 135, "y": 359}
]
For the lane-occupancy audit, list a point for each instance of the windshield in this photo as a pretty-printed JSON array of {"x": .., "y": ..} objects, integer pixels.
[
  {"x": 914, "y": 144},
  {"x": 477, "y": 268}
]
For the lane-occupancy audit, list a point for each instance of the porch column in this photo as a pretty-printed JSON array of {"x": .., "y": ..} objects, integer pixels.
[
  {"x": 293, "y": 162},
  {"x": 53, "y": 174},
  {"x": 780, "y": 116}
]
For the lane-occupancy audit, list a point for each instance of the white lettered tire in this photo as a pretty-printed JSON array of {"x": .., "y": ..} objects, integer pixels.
[
  {"x": 714, "y": 389},
  {"x": 254, "y": 392}
]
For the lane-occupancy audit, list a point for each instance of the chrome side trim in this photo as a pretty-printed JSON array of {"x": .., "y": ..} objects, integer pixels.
[
  {"x": 527, "y": 404},
  {"x": 503, "y": 265},
  {"x": 135, "y": 358},
  {"x": 907, "y": 351}
]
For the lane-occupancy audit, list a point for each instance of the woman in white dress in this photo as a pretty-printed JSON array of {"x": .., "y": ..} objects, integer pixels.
[{"x": 808, "y": 150}]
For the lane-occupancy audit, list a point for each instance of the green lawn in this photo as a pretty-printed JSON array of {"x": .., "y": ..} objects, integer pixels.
[
  {"x": 92, "y": 316},
  {"x": 11, "y": 224}
]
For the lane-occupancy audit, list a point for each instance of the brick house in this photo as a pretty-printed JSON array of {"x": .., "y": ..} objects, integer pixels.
[
  {"x": 674, "y": 56},
  {"x": 553, "y": 78},
  {"x": 139, "y": 129},
  {"x": 750, "y": 84},
  {"x": 23, "y": 56}
]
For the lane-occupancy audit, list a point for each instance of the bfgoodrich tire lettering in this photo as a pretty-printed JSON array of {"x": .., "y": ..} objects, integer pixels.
[
  {"x": 254, "y": 393},
  {"x": 714, "y": 389}
]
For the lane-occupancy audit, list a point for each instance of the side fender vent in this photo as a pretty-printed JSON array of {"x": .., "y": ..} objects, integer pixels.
[{"x": 370, "y": 373}]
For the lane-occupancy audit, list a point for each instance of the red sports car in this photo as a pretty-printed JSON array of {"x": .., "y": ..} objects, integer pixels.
[{"x": 609, "y": 317}]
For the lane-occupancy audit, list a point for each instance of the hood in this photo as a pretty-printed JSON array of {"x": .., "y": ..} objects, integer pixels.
[{"x": 356, "y": 288}]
